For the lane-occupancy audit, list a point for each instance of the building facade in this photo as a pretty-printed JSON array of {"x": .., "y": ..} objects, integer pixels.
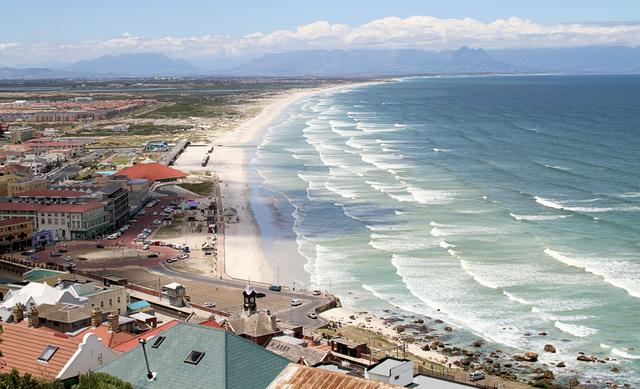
[{"x": 15, "y": 234}]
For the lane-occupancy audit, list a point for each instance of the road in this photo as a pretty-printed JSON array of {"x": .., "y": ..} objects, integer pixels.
[
  {"x": 297, "y": 315},
  {"x": 73, "y": 167}
]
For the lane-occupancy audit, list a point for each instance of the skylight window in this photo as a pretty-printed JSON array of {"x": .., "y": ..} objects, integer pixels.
[
  {"x": 158, "y": 342},
  {"x": 194, "y": 357},
  {"x": 47, "y": 353}
]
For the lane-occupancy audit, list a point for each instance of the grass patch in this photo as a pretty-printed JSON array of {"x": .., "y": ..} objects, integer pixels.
[
  {"x": 203, "y": 189},
  {"x": 171, "y": 230}
]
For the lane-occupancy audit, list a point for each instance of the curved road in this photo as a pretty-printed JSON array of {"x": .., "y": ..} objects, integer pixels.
[{"x": 299, "y": 313}]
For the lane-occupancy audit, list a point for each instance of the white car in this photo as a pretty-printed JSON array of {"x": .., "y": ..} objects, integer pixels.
[
  {"x": 296, "y": 302},
  {"x": 183, "y": 256},
  {"x": 145, "y": 247},
  {"x": 476, "y": 376},
  {"x": 312, "y": 315},
  {"x": 209, "y": 304},
  {"x": 317, "y": 292},
  {"x": 157, "y": 221}
]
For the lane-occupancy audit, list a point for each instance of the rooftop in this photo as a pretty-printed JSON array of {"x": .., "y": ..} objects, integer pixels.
[
  {"x": 64, "y": 313},
  {"x": 70, "y": 208},
  {"x": 302, "y": 377},
  {"x": 14, "y": 220},
  {"x": 51, "y": 193},
  {"x": 151, "y": 171},
  {"x": 385, "y": 365},
  {"x": 194, "y": 356},
  {"x": 22, "y": 345}
]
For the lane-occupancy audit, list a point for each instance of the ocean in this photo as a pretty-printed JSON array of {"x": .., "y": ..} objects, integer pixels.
[{"x": 505, "y": 206}]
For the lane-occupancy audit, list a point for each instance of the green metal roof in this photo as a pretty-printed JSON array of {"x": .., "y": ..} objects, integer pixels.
[
  {"x": 229, "y": 362},
  {"x": 38, "y": 274}
]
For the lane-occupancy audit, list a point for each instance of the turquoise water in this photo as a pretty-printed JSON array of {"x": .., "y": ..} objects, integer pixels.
[{"x": 502, "y": 205}]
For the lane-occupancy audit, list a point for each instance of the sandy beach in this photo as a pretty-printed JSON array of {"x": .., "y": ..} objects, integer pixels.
[{"x": 244, "y": 254}]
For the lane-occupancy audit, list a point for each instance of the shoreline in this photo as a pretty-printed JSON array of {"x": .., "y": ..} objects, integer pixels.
[{"x": 245, "y": 256}]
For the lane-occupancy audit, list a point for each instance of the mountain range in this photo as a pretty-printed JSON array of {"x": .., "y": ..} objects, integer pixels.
[{"x": 349, "y": 63}]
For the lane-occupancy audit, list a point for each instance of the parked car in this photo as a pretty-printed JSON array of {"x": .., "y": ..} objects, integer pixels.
[
  {"x": 157, "y": 221},
  {"x": 275, "y": 288},
  {"x": 476, "y": 376},
  {"x": 145, "y": 247},
  {"x": 183, "y": 256},
  {"x": 63, "y": 250},
  {"x": 312, "y": 315},
  {"x": 152, "y": 255},
  {"x": 55, "y": 254},
  {"x": 209, "y": 304},
  {"x": 171, "y": 260},
  {"x": 99, "y": 246},
  {"x": 296, "y": 302},
  {"x": 155, "y": 213},
  {"x": 316, "y": 292}
]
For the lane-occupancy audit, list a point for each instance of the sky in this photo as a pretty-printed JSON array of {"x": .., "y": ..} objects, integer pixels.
[{"x": 39, "y": 31}]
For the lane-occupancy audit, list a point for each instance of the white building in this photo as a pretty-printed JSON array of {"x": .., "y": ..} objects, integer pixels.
[{"x": 391, "y": 371}]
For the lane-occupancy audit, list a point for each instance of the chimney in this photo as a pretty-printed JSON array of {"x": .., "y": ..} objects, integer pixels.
[
  {"x": 34, "y": 319},
  {"x": 114, "y": 325},
  {"x": 274, "y": 325},
  {"x": 18, "y": 313},
  {"x": 96, "y": 317}
]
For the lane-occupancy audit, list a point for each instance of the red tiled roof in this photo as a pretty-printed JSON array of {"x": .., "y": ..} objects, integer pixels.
[
  {"x": 21, "y": 347},
  {"x": 70, "y": 208},
  {"x": 108, "y": 338},
  {"x": 51, "y": 193},
  {"x": 211, "y": 323},
  {"x": 151, "y": 171},
  {"x": 126, "y": 346},
  {"x": 14, "y": 220}
]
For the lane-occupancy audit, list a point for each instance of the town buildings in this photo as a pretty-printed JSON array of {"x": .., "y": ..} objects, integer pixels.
[
  {"x": 16, "y": 234},
  {"x": 20, "y": 134}
]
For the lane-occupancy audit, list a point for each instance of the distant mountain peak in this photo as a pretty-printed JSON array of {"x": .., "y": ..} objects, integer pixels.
[{"x": 139, "y": 64}]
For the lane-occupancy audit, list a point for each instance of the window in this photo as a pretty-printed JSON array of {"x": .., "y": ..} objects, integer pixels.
[
  {"x": 47, "y": 353},
  {"x": 110, "y": 302},
  {"x": 194, "y": 357},
  {"x": 158, "y": 342},
  {"x": 101, "y": 304}
]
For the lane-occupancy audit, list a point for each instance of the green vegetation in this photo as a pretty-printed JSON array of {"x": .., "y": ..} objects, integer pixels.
[
  {"x": 171, "y": 230},
  {"x": 13, "y": 380},
  {"x": 144, "y": 129},
  {"x": 94, "y": 380},
  {"x": 201, "y": 188}
]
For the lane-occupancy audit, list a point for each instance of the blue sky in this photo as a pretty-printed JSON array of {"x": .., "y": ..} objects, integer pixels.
[
  {"x": 40, "y": 33},
  {"x": 75, "y": 20}
]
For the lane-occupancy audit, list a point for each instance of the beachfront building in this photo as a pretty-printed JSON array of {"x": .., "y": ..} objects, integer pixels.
[
  {"x": 256, "y": 326},
  {"x": 391, "y": 371},
  {"x": 195, "y": 356},
  {"x": 39, "y": 146},
  {"x": 153, "y": 171},
  {"x": 67, "y": 221},
  {"x": 15, "y": 234}
]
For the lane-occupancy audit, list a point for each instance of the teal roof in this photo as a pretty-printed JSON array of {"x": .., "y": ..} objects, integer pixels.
[
  {"x": 229, "y": 362},
  {"x": 38, "y": 274},
  {"x": 138, "y": 305}
]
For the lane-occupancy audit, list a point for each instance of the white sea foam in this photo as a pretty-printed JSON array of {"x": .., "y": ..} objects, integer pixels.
[
  {"x": 605, "y": 346},
  {"x": 556, "y": 167},
  {"x": 537, "y": 217},
  {"x": 558, "y": 205},
  {"x": 426, "y": 196},
  {"x": 515, "y": 298},
  {"x": 446, "y": 245},
  {"x": 575, "y": 330},
  {"x": 619, "y": 273},
  {"x": 623, "y": 354},
  {"x": 399, "y": 243}
]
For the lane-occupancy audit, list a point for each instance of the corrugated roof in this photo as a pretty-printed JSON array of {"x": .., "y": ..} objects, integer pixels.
[
  {"x": 21, "y": 347},
  {"x": 302, "y": 377},
  {"x": 71, "y": 208},
  {"x": 229, "y": 361},
  {"x": 138, "y": 305},
  {"x": 151, "y": 171}
]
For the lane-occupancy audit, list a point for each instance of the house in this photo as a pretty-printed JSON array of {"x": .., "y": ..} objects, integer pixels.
[
  {"x": 49, "y": 354},
  {"x": 297, "y": 376},
  {"x": 42, "y": 238},
  {"x": 175, "y": 293},
  {"x": 63, "y": 317},
  {"x": 47, "y": 276},
  {"x": 296, "y": 350},
  {"x": 194, "y": 356},
  {"x": 37, "y": 293},
  {"x": 256, "y": 326},
  {"x": 20, "y": 134},
  {"x": 346, "y": 347},
  {"x": 391, "y": 371}
]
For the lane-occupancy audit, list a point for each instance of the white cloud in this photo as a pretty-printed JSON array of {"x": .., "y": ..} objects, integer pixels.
[{"x": 422, "y": 32}]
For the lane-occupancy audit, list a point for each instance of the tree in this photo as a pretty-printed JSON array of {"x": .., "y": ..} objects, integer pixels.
[
  {"x": 13, "y": 380},
  {"x": 94, "y": 380}
]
